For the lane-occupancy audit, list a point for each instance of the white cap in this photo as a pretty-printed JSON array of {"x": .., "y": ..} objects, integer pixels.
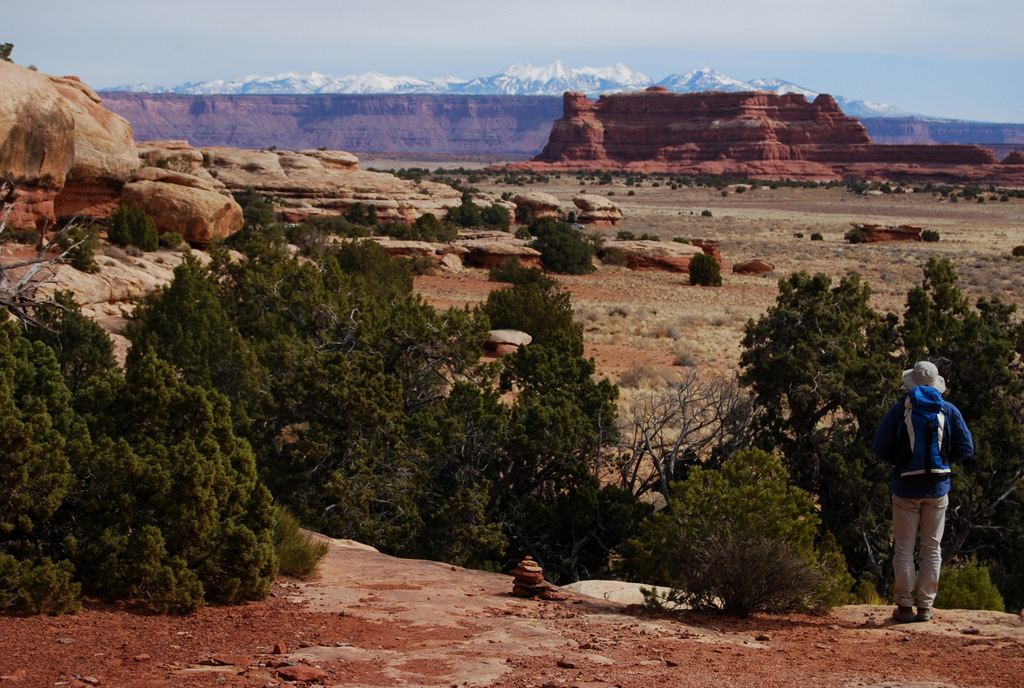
[{"x": 924, "y": 373}]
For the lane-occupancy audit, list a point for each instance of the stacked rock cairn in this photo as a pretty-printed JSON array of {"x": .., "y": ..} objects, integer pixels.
[{"x": 528, "y": 581}]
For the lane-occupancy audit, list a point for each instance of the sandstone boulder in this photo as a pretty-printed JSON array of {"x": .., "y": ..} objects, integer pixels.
[
  {"x": 752, "y": 267},
  {"x": 183, "y": 203},
  {"x": 535, "y": 205},
  {"x": 504, "y": 342},
  {"x": 314, "y": 183},
  {"x": 597, "y": 210},
  {"x": 655, "y": 255}
]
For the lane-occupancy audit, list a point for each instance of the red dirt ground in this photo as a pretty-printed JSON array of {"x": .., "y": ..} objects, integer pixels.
[{"x": 373, "y": 620}]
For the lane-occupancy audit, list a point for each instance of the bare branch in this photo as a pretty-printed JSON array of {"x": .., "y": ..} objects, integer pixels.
[{"x": 20, "y": 280}]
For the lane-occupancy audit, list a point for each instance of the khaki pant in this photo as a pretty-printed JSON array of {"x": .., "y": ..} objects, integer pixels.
[{"x": 909, "y": 516}]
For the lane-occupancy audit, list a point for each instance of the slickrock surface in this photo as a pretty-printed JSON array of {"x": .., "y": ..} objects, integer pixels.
[{"x": 373, "y": 620}]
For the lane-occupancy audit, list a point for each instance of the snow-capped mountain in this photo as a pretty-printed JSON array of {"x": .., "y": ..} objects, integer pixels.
[
  {"x": 303, "y": 84},
  {"x": 556, "y": 79},
  {"x": 518, "y": 80}
]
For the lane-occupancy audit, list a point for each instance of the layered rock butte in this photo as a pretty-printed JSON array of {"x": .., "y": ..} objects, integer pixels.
[{"x": 760, "y": 135}]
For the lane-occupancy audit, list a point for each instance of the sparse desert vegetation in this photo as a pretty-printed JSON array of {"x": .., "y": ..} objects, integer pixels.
[{"x": 628, "y": 314}]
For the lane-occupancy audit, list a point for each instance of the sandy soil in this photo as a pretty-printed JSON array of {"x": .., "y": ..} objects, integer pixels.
[{"x": 372, "y": 620}]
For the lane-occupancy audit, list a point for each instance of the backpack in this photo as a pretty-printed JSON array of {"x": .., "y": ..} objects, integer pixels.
[{"x": 922, "y": 440}]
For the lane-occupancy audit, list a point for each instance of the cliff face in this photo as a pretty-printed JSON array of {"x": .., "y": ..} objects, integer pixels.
[
  {"x": 453, "y": 125},
  {"x": 917, "y": 130},
  {"x": 459, "y": 125},
  {"x": 756, "y": 134}
]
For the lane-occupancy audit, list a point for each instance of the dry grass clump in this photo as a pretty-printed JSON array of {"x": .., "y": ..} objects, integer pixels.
[{"x": 641, "y": 375}]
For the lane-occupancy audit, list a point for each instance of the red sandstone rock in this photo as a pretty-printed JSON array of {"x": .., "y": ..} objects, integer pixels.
[
  {"x": 874, "y": 234},
  {"x": 752, "y": 267},
  {"x": 1014, "y": 158},
  {"x": 301, "y": 672},
  {"x": 669, "y": 256},
  {"x": 710, "y": 248}
]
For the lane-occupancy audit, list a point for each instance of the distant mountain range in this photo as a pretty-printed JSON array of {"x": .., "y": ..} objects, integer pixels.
[{"x": 517, "y": 80}]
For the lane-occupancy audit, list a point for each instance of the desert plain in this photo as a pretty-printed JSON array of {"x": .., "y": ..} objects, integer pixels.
[{"x": 639, "y": 324}]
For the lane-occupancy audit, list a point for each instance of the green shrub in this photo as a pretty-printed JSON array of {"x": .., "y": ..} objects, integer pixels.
[
  {"x": 817, "y": 237},
  {"x": 929, "y": 235},
  {"x": 363, "y": 214},
  {"x": 130, "y": 225},
  {"x": 513, "y": 272},
  {"x": 542, "y": 311},
  {"x": 625, "y": 235},
  {"x": 968, "y": 586},
  {"x": 705, "y": 271},
  {"x": 856, "y": 236},
  {"x": 35, "y": 587},
  {"x": 172, "y": 240},
  {"x": 1018, "y": 251},
  {"x": 83, "y": 256},
  {"x": 742, "y": 540},
  {"x": 705, "y": 213},
  {"x": 681, "y": 240},
  {"x": 563, "y": 250},
  {"x": 798, "y": 235},
  {"x": 298, "y": 552}
]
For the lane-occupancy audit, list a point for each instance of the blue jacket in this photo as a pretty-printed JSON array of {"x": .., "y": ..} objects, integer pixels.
[{"x": 961, "y": 448}]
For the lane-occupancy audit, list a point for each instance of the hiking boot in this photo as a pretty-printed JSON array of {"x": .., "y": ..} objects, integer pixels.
[
  {"x": 924, "y": 614},
  {"x": 904, "y": 614}
]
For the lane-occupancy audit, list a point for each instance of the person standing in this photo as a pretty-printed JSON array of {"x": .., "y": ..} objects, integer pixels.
[{"x": 921, "y": 436}]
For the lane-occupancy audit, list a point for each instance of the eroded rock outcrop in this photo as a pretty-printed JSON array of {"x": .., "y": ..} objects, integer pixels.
[
  {"x": 312, "y": 183},
  {"x": 596, "y": 210},
  {"x": 104, "y": 156},
  {"x": 668, "y": 256},
  {"x": 754, "y": 134},
  {"x": 491, "y": 249},
  {"x": 66, "y": 153},
  {"x": 535, "y": 205},
  {"x": 69, "y": 156}
]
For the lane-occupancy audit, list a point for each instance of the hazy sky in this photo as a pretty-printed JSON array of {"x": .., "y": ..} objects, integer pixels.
[{"x": 943, "y": 58}]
